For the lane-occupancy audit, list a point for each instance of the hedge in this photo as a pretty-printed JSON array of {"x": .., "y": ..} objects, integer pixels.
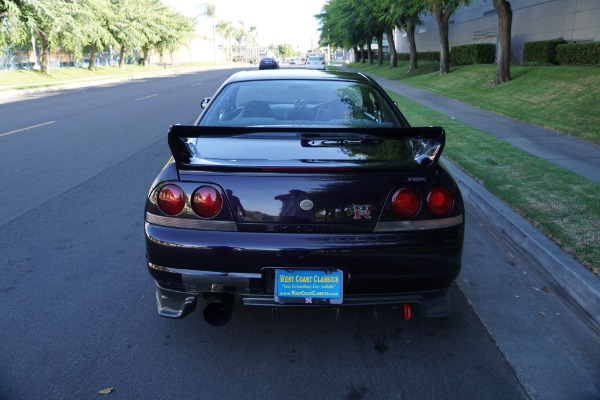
[
  {"x": 429, "y": 55},
  {"x": 482, "y": 53},
  {"x": 542, "y": 51},
  {"x": 582, "y": 53},
  {"x": 421, "y": 55}
]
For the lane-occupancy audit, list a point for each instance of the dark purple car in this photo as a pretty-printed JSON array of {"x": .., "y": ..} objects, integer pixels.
[{"x": 303, "y": 189}]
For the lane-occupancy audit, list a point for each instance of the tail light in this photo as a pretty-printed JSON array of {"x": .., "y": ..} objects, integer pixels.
[
  {"x": 171, "y": 199},
  {"x": 207, "y": 201},
  {"x": 406, "y": 202},
  {"x": 439, "y": 201}
]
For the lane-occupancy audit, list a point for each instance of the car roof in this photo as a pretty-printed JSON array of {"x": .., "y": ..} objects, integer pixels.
[{"x": 298, "y": 74}]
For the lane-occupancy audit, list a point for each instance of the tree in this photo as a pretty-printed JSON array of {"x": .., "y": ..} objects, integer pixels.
[
  {"x": 379, "y": 37},
  {"x": 9, "y": 8},
  {"x": 94, "y": 18},
  {"x": 126, "y": 28},
  {"x": 442, "y": 10},
  {"x": 406, "y": 14},
  {"x": 239, "y": 34},
  {"x": 388, "y": 21},
  {"x": 54, "y": 24},
  {"x": 286, "y": 50},
  {"x": 226, "y": 30},
  {"x": 165, "y": 30},
  {"x": 342, "y": 25},
  {"x": 210, "y": 11},
  {"x": 372, "y": 28},
  {"x": 253, "y": 42},
  {"x": 331, "y": 25},
  {"x": 75, "y": 26},
  {"x": 49, "y": 21},
  {"x": 389, "y": 33},
  {"x": 14, "y": 30},
  {"x": 504, "y": 11},
  {"x": 408, "y": 19}
]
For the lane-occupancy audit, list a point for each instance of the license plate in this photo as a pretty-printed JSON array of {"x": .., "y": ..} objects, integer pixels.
[{"x": 308, "y": 286}]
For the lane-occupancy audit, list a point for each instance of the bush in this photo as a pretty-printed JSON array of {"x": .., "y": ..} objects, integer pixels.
[
  {"x": 582, "y": 53},
  {"x": 542, "y": 51},
  {"x": 429, "y": 55},
  {"x": 483, "y": 53},
  {"x": 421, "y": 55}
]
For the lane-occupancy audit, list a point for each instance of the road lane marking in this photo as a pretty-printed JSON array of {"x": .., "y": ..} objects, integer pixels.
[
  {"x": 196, "y": 84},
  {"x": 146, "y": 97},
  {"x": 25, "y": 129}
]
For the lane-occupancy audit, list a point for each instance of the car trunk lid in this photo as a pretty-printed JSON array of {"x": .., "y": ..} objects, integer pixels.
[
  {"x": 306, "y": 148},
  {"x": 308, "y": 179}
]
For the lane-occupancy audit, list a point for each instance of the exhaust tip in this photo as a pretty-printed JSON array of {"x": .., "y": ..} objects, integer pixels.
[{"x": 218, "y": 309}]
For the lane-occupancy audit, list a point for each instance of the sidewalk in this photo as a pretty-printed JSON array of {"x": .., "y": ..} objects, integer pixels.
[{"x": 577, "y": 286}]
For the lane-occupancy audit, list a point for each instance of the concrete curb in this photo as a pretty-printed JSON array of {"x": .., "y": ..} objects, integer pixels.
[{"x": 576, "y": 285}]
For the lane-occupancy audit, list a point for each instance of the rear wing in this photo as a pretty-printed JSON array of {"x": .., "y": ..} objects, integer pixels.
[{"x": 209, "y": 147}]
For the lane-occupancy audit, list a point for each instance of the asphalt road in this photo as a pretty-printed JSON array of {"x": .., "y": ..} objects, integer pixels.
[{"x": 78, "y": 311}]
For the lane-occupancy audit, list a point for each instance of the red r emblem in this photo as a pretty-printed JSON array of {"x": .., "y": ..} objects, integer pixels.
[{"x": 358, "y": 214}]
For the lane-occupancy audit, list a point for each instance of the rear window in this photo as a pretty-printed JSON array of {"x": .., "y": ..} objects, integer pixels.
[
  {"x": 299, "y": 103},
  {"x": 315, "y": 58}
]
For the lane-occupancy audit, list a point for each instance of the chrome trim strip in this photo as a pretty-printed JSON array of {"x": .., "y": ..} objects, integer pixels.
[
  {"x": 230, "y": 226},
  {"x": 200, "y": 224},
  {"x": 208, "y": 274},
  {"x": 210, "y": 281},
  {"x": 419, "y": 225}
]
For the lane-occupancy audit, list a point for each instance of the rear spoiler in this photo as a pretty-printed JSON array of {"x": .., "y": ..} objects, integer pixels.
[{"x": 428, "y": 142}]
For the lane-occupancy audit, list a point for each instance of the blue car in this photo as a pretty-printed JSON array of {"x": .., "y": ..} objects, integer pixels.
[{"x": 268, "y": 63}]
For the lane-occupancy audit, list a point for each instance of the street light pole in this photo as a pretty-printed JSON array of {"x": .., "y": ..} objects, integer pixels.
[{"x": 36, "y": 66}]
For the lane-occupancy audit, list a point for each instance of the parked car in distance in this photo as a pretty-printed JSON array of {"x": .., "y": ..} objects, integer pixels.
[
  {"x": 315, "y": 62},
  {"x": 268, "y": 63},
  {"x": 299, "y": 188}
]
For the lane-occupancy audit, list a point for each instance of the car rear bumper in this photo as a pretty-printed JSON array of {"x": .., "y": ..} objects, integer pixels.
[
  {"x": 382, "y": 268},
  {"x": 432, "y": 304}
]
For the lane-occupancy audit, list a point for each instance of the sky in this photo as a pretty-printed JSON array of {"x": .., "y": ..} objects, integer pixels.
[{"x": 276, "y": 21}]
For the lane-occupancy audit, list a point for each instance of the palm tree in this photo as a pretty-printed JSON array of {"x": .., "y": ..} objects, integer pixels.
[
  {"x": 225, "y": 29},
  {"x": 253, "y": 42},
  {"x": 209, "y": 11},
  {"x": 240, "y": 36}
]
